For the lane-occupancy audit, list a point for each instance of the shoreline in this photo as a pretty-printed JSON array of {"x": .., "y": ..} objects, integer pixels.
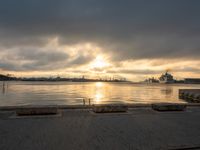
[{"x": 104, "y": 81}]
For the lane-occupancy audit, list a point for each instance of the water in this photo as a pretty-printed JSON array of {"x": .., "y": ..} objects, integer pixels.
[{"x": 72, "y": 93}]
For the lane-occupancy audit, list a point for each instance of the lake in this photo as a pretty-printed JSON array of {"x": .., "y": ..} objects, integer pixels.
[{"x": 72, "y": 93}]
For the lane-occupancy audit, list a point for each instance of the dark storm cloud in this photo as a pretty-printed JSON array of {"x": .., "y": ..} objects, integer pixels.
[
  {"x": 32, "y": 59},
  {"x": 126, "y": 29},
  {"x": 40, "y": 59},
  {"x": 5, "y": 65},
  {"x": 153, "y": 72},
  {"x": 125, "y": 71},
  {"x": 41, "y": 55},
  {"x": 81, "y": 60}
]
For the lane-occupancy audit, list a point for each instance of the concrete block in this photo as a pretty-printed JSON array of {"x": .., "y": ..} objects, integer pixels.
[
  {"x": 168, "y": 107},
  {"x": 110, "y": 108},
  {"x": 36, "y": 111}
]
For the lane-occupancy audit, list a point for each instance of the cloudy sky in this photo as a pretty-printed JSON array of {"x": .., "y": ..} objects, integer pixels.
[{"x": 131, "y": 38}]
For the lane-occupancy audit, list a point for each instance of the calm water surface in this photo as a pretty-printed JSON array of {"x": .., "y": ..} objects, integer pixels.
[{"x": 72, "y": 93}]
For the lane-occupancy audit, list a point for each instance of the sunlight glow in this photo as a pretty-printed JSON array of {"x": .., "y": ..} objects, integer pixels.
[
  {"x": 99, "y": 84},
  {"x": 99, "y": 62}
]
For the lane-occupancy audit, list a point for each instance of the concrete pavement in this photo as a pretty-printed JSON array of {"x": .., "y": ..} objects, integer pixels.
[{"x": 81, "y": 129}]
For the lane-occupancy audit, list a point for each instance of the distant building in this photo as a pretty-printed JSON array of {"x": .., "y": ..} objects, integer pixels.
[
  {"x": 192, "y": 80},
  {"x": 166, "y": 78}
]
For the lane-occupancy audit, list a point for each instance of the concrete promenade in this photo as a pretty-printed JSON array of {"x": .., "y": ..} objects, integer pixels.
[{"x": 141, "y": 128}]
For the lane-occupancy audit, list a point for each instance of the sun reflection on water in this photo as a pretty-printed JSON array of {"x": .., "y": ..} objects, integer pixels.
[
  {"x": 99, "y": 93},
  {"x": 99, "y": 84},
  {"x": 98, "y": 98}
]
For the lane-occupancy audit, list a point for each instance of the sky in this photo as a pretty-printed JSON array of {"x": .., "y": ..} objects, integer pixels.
[{"x": 135, "y": 39}]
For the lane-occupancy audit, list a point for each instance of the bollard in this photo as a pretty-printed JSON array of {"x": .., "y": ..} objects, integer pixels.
[
  {"x": 83, "y": 101},
  {"x": 89, "y": 101},
  {"x": 168, "y": 107},
  {"x": 110, "y": 108},
  {"x": 3, "y": 88}
]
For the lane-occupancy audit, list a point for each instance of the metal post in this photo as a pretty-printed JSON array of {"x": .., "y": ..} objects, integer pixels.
[
  {"x": 89, "y": 102},
  {"x": 3, "y": 88}
]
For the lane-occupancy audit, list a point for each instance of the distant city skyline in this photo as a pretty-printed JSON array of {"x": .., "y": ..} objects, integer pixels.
[{"x": 135, "y": 39}]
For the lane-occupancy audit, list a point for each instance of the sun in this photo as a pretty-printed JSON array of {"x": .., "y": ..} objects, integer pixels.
[{"x": 99, "y": 62}]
